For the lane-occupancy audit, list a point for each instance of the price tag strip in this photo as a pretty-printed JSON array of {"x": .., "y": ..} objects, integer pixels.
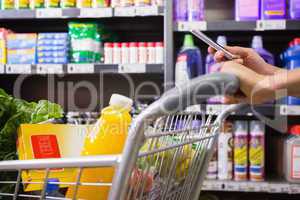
[
  {"x": 19, "y": 69},
  {"x": 49, "y": 13},
  {"x": 188, "y": 26},
  {"x": 2, "y": 69},
  {"x": 96, "y": 12},
  {"x": 132, "y": 68},
  {"x": 81, "y": 68},
  {"x": 215, "y": 109},
  {"x": 262, "y": 25},
  {"x": 147, "y": 11},
  {"x": 125, "y": 11},
  {"x": 49, "y": 69}
]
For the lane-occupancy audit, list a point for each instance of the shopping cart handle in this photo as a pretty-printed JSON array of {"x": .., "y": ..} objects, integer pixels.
[{"x": 198, "y": 90}]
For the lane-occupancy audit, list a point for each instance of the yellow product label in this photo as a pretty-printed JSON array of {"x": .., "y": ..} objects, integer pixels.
[
  {"x": 36, "y": 4},
  {"x": 42, "y": 141},
  {"x": 256, "y": 155},
  {"x": 52, "y": 3},
  {"x": 22, "y": 4},
  {"x": 240, "y": 155},
  {"x": 7, "y": 4},
  {"x": 68, "y": 3},
  {"x": 21, "y": 51},
  {"x": 274, "y": 12},
  {"x": 2, "y": 52},
  {"x": 24, "y": 36},
  {"x": 84, "y": 3}
]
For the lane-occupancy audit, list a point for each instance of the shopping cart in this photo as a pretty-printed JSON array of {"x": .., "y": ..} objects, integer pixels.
[{"x": 166, "y": 154}]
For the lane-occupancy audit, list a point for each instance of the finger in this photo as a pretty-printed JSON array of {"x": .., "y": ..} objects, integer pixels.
[
  {"x": 219, "y": 56},
  {"x": 240, "y": 61},
  {"x": 240, "y": 51},
  {"x": 211, "y": 50}
]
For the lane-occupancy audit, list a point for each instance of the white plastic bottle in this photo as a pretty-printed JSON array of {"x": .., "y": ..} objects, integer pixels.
[
  {"x": 116, "y": 53},
  {"x": 142, "y": 53},
  {"x": 225, "y": 152},
  {"x": 151, "y": 57},
  {"x": 240, "y": 151},
  {"x": 257, "y": 151},
  {"x": 291, "y": 156},
  {"x": 133, "y": 52},
  {"x": 125, "y": 53},
  {"x": 159, "y": 52},
  {"x": 108, "y": 53}
]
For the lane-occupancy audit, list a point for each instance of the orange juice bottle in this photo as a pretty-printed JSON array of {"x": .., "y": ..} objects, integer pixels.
[{"x": 106, "y": 138}]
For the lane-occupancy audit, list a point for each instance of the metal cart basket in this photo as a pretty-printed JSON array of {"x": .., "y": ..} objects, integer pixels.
[{"x": 166, "y": 154}]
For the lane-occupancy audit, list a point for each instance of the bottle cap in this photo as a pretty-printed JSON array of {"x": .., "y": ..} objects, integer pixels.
[
  {"x": 150, "y": 44},
  {"x": 117, "y": 44},
  {"x": 120, "y": 101},
  {"x": 51, "y": 186},
  {"x": 257, "y": 42},
  {"x": 159, "y": 44},
  {"x": 295, "y": 130},
  {"x": 142, "y": 44},
  {"x": 188, "y": 41},
  {"x": 133, "y": 44},
  {"x": 108, "y": 44},
  {"x": 125, "y": 44},
  {"x": 222, "y": 41}
]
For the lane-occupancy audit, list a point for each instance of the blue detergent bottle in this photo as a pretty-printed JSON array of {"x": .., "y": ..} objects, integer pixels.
[
  {"x": 189, "y": 61},
  {"x": 291, "y": 59},
  {"x": 52, "y": 189}
]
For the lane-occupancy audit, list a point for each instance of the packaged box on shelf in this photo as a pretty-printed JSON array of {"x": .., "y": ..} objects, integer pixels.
[
  {"x": 21, "y": 40},
  {"x": 53, "y": 36},
  {"x": 52, "y": 48},
  {"x": 2, "y": 51},
  {"x": 53, "y": 42},
  {"x": 42, "y": 141},
  {"x": 52, "y": 54},
  {"x": 21, "y": 56},
  {"x": 7, "y": 4},
  {"x": 22, "y": 4},
  {"x": 53, "y": 60}
]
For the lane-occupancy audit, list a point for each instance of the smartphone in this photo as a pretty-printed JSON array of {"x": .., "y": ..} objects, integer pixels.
[{"x": 214, "y": 45}]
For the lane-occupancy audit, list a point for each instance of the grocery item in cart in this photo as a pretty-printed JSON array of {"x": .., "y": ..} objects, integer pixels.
[
  {"x": 107, "y": 137},
  {"x": 291, "y": 155},
  {"x": 273, "y": 9},
  {"x": 257, "y": 151},
  {"x": 225, "y": 152},
  {"x": 40, "y": 141},
  {"x": 240, "y": 150},
  {"x": 247, "y": 10}
]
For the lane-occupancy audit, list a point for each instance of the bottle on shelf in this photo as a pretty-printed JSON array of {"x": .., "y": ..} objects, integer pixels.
[
  {"x": 159, "y": 52},
  {"x": 142, "y": 52},
  {"x": 189, "y": 61},
  {"x": 125, "y": 53},
  {"x": 291, "y": 155},
  {"x": 108, "y": 53},
  {"x": 257, "y": 45},
  {"x": 151, "y": 57},
  {"x": 294, "y": 9},
  {"x": 133, "y": 51},
  {"x": 273, "y": 9},
  {"x": 107, "y": 137},
  {"x": 257, "y": 151},
  {"x": 180, "y": 10},
  {"x": 117, "y": 53},
  {"x": 240, "y": 155},
  {"x": 195, "y": 10},
  {"x": 247, "y": 10}
]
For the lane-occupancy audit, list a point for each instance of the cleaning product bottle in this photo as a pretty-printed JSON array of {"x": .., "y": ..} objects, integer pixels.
[
  {"x": 247, "y": 10},
  {"x": 211, "y": 66},
  {"x": 240, "y": 150},
  {"x": 106, "y": 138},
  {"x": 257, "y": 45},
  {"x": 195, "y": 10},
  {"x": 295, "y": 9},
  {"x": 257, "y": 151},
  {"x": 189, "y": 61},
  {"x": 273, "y": 9},
  {"x": 180, "y": 10}
]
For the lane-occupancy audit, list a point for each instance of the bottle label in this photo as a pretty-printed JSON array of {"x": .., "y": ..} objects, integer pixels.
[
  {"x": 274, "y": 7},
  {"x": 295, "y": 162},
  {"x": 248, "y": 8},
  {"x": 240, "y": 150},
  {"x": 256, "y": 152}
]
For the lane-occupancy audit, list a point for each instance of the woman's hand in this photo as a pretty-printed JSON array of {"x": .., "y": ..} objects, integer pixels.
[
  {"x": 255, "y": 88},
  {"x": 249, "y": 58}
]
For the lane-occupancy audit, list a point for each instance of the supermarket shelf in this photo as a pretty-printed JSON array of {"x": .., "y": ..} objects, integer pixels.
[
  {"x": 81, "y": 68},
  {"x": 82, "y": 12},
  {"x": 265, "y": 110},
  {"x": 265, "y": 187},
  {"x": 231, "y": 25}
]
